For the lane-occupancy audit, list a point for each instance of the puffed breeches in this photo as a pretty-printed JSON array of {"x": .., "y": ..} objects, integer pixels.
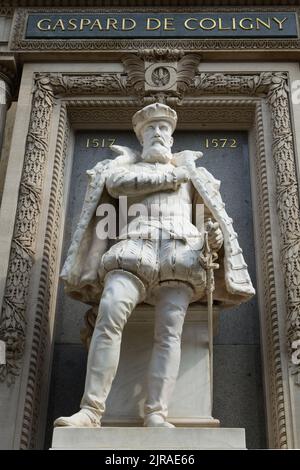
[{"x": 157, "y": 262}]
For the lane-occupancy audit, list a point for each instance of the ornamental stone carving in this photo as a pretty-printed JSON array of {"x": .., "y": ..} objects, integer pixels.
[
  {"x": 13, "y": 319},
  {"x": 22, "y": 256},
  {"x": 153, "y": 73},
  {"x": 274, "y": 86},
  {"x": 160, "y": 76}
]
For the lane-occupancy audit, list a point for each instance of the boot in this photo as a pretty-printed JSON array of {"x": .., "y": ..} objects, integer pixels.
[
  {"x": 83, "y": 419},
  {"x": 156, "y": 421}
]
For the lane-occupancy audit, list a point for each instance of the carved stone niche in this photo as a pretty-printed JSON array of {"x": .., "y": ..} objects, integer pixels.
[{"x": 58, "y": 101}]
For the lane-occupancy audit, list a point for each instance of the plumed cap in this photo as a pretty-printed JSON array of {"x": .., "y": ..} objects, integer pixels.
[{"x": 153, "y": 112}]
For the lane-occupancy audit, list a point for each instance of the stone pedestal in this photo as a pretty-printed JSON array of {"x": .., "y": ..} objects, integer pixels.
[
  {"x": 118, "y": 438},
  {"x": 191, "y": 403}
]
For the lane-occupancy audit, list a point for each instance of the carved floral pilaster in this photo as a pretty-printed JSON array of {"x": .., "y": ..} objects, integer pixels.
[
  {"x": 274, "y": 86},
  {"x": 23, "y": 247},
  {"x": 287, "y": 208},
  {"x": 96, "y": 84},
  {"x": 12, "y": 319}
]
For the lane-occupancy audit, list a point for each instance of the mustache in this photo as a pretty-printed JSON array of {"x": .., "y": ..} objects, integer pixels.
[{"x": 159, "y": 140}]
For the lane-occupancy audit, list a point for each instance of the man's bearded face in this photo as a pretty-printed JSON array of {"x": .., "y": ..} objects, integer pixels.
[{"x": 157, "y": 142}]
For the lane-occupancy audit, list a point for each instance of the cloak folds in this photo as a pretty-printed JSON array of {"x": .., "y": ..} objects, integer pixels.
[{"x": 80, "y": 271}]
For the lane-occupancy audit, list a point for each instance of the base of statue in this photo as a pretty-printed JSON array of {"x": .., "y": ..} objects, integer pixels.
[
  {"x": 138, "y": 438},
  {"x": 191, "y": 403}
]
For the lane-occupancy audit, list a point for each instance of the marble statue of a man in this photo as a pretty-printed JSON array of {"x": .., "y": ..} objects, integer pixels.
[{"x": 157, "y": 262}]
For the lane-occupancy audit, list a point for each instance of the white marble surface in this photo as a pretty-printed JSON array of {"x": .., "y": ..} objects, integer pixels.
[
  {"x": 191, "y": 397},
  {"x": 148, "y": 438}
]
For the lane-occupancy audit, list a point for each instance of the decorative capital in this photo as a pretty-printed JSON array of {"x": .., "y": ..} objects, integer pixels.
[{"x": 153, "y": 73}]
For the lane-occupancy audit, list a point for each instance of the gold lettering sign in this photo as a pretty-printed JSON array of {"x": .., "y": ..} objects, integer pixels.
[
  {"x": 84, "y": 22},
  {"x": 279, "y": 22},
  {"x": 112, "y": 23},
  {"x": 207, "y": 23},
  {"x": 59, "y": 25},
  {"x": 169, "y": 24},
  {"x": 266, "y": 24},
  {"x": 72, "y": 24},
  {"x": 128, "y": 24},
  {"x": 220, "y": 25},
  {"x": 44, "y": 24},
  {"x": 166, "y": 25},
  {"x": 249, "y": 24},
  {"x": 153, "y": 23},
  {"x": 96, "y": 25},
  {"x": 189, "y": 25},
  {"x": 246, "y": 23}
]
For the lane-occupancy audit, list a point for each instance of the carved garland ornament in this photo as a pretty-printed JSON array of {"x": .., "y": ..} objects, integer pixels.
[
  {"x": 270, "y": 324},
  {"x": 23, "y": 247},
  {"x": 48, "y": 279}
]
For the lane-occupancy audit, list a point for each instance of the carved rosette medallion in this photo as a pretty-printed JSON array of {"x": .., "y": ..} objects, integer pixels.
[{"x": 160, "y": 76}]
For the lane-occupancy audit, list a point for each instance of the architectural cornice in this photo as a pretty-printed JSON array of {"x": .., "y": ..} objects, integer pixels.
[
  {"x": 153, "y": 3},
  {"x": 19, "y": 43}
]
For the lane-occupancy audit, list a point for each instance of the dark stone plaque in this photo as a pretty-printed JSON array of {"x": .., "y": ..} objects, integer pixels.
[{"x": 161, "y": 25}]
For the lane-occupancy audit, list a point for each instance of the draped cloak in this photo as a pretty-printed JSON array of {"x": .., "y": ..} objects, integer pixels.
[{"x": 80, "y": 271}]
